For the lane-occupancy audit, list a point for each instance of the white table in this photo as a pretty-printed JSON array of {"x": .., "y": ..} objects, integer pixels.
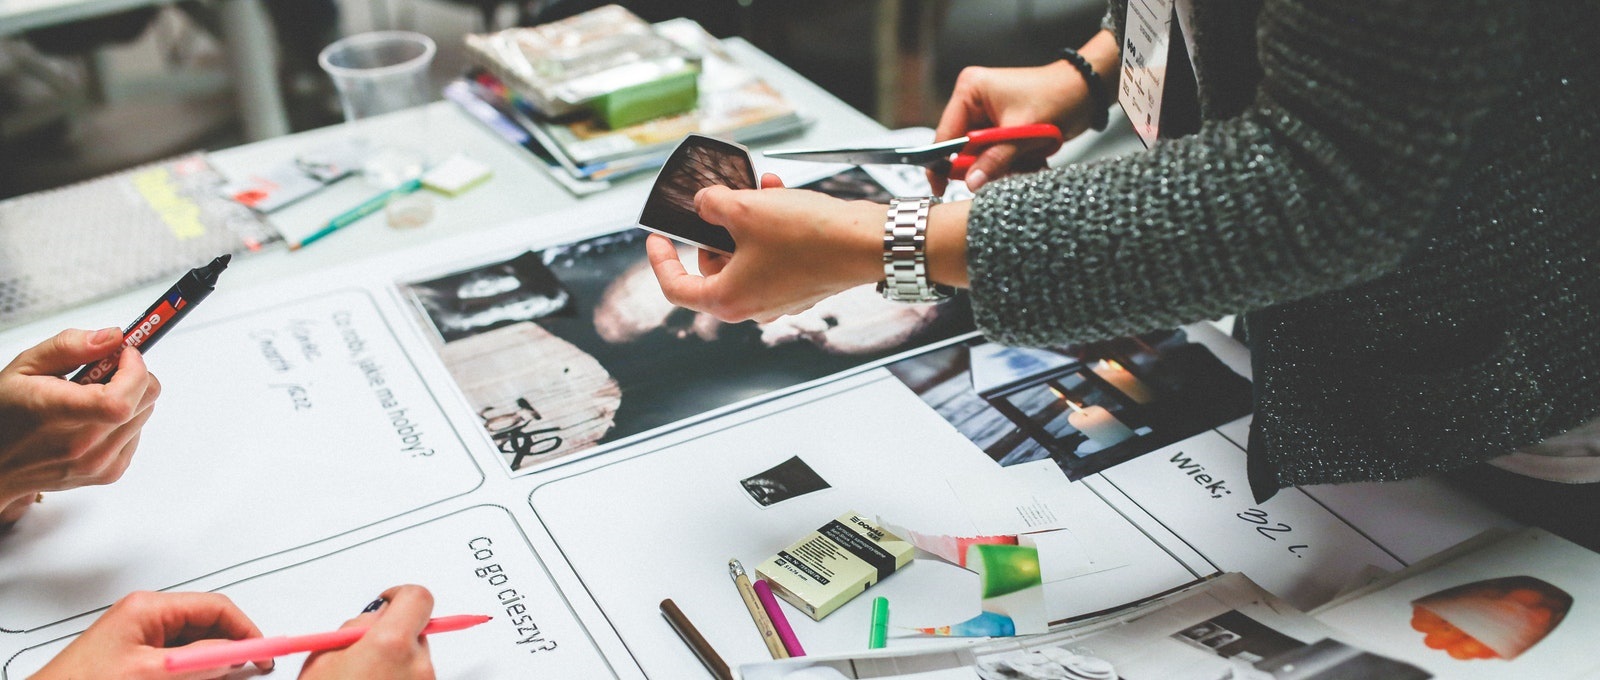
[
  {"x": 518, "y": 188},
  {"x": 246, "y": 34}
]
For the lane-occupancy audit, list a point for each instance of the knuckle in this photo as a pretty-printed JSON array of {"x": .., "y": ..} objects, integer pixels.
[
  {"x": 389, "y": 643},
  {"x": 422, "y": 667},
  {"x": 736, "y": 211},
  {"x": 139, "y": 601},
  {"x": 719, "y": 306},
  {"x": 110, "y": 473},
  {"x": 117, "y": 410},
  {"x": 146, "y": 666},
  {"x": 62, "y": 343},
  {"x": 77, "y": 449},
  {"x": 88, "y": 468}
]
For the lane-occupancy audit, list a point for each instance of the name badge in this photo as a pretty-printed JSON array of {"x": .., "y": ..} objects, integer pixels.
[{"x": 1145, "y": 43}]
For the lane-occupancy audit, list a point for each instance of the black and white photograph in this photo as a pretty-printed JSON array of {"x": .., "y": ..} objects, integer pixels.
[
  {"x": 786, "y": 480},
  {"x": 575, "y": 346},
  {"x": 482, "y": 299}
]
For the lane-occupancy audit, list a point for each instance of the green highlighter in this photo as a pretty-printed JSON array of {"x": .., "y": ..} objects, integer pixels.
[
  {"x": 880, "y": 623},
  {"x": 367, "y": 207}
]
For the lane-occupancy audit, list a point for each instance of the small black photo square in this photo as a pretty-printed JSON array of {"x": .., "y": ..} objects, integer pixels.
[
  {"x": 697, "y": 163},
  {"x": 787, "y": 480}
]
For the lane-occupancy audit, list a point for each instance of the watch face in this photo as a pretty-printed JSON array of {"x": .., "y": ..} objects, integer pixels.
[{"x": 697, "y": 163}]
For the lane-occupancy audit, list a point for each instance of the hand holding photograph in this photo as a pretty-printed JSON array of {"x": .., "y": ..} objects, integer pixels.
[{"x": 697, "y": 163}]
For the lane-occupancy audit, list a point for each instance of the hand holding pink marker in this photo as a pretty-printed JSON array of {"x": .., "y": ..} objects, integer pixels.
[{"x": 259, "y": 649}]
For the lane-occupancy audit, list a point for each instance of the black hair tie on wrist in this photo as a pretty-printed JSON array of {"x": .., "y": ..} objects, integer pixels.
[{"x": 1100, "y": 99}]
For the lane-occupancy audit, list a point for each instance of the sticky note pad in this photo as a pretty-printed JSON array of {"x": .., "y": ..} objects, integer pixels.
[
  {"x": 835, "y": 563},
  {"x": 457, "y": 174}
]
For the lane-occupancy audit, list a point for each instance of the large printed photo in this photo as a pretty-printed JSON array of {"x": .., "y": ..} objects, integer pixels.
[{"x": 572, "y": 347}]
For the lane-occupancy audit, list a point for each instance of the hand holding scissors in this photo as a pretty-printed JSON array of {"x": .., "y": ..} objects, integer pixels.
[{"x": 951, "y": 158}]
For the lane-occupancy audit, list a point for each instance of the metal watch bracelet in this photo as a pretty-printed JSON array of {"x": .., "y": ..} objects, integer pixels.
[{"x": 905, "y": 260}]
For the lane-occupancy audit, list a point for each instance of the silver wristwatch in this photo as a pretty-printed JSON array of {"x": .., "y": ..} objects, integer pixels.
[{"x": 905, "y": 260}]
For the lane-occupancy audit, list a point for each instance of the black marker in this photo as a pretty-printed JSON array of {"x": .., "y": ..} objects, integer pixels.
[{"x": 176, "y": 302}]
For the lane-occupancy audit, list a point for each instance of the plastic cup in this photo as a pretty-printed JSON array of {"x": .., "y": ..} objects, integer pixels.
[{"x": 379, "y": 72}]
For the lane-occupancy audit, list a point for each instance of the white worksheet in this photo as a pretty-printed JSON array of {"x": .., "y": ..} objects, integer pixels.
[
  {"x": 285, "y": 426},
  {"x": 684, "y": 515},
  {"x": 474, "y": 561},
  {"x": 1290, "y": 545}
]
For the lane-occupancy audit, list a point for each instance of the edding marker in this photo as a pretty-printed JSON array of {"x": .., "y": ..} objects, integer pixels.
[{"x": 161, "y": 316}]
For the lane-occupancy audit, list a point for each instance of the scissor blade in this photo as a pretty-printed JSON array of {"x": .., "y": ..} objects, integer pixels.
[{"x": 851, "y": 156}]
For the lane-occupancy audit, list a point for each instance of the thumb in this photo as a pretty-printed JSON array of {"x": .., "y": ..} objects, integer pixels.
[
  {"x": 265, "y": 665},
  {"x": 69, "y": 349},
  {"x": 995, "y": 161},
  {"x": 716, "y": 204}
]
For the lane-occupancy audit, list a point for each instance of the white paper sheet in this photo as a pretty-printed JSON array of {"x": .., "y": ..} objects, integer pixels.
[
  {"x": 285, "y": 426},
  {"x": 474, "y": 561},
  {"x": 883, "y": 452},
  {"x": 1382, "y": 620}
]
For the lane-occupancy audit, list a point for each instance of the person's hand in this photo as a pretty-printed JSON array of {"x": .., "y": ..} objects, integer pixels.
[
  {"x": 393, "y": 646},
  {"x": 998, "y": 97},
  {"x": 56, "y": 434},
  {"x": 1001, "y": 97},
  {"x": 131, "y": 640},
  {"x": 794, "y": 248}
]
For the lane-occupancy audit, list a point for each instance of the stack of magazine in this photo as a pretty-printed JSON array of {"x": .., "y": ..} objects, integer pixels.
[{"x": 584, "y": 155}]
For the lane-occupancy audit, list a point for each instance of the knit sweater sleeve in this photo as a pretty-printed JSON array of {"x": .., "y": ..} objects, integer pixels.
[{"x": 1365, "y": 111}]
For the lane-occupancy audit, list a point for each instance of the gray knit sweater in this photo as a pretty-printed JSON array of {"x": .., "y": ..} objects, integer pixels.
[{"x": 1404, "y": 199}]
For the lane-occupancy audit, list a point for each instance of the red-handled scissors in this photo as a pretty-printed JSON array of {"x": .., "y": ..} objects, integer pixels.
[{"x": 951, "y": 157}]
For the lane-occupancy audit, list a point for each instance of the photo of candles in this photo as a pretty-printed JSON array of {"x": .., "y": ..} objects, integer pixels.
[
  {"x": 1086, "y": 408},
  {"x": 1096, "y": 423},
  {"x": 1125, "y": 381}
]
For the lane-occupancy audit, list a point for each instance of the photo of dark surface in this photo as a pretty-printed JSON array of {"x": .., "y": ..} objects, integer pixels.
[
  {"x": 1086, "y": 407},
  {"x": 786, "y": 480},
  {"x": 851, "y": 185},
  {"x": 519, "y": 289},
  {"x": 697, "y": 163}
]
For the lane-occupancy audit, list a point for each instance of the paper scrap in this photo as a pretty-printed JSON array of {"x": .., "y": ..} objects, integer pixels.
[
  {"x": 1012, "y": 591},
  {"x": 455, "y": 175}
]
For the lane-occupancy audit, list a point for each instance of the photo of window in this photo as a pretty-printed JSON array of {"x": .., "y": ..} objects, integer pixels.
[{"x": 1087, "y": 407}]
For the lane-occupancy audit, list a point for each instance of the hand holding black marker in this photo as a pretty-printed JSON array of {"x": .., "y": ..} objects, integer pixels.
[{"x": 158, "y": 319}]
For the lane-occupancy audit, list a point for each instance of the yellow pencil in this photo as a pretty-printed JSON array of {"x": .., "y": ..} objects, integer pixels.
[{"x": 769, "y": 634}]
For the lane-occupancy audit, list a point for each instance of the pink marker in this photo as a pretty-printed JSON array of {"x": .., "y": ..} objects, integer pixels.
[
  {"x": 791, "y": 643},
  {"x": 237, "y": 652}
]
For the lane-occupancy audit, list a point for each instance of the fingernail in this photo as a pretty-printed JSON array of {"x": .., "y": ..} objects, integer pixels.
[
  {"x": 103, "y": 335},
  {"x": 374, "y": 606},
  {"x": 975, "y": 179}
]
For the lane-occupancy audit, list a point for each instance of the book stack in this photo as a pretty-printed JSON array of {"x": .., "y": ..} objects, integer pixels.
[{"x": 583, "y": 152}]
